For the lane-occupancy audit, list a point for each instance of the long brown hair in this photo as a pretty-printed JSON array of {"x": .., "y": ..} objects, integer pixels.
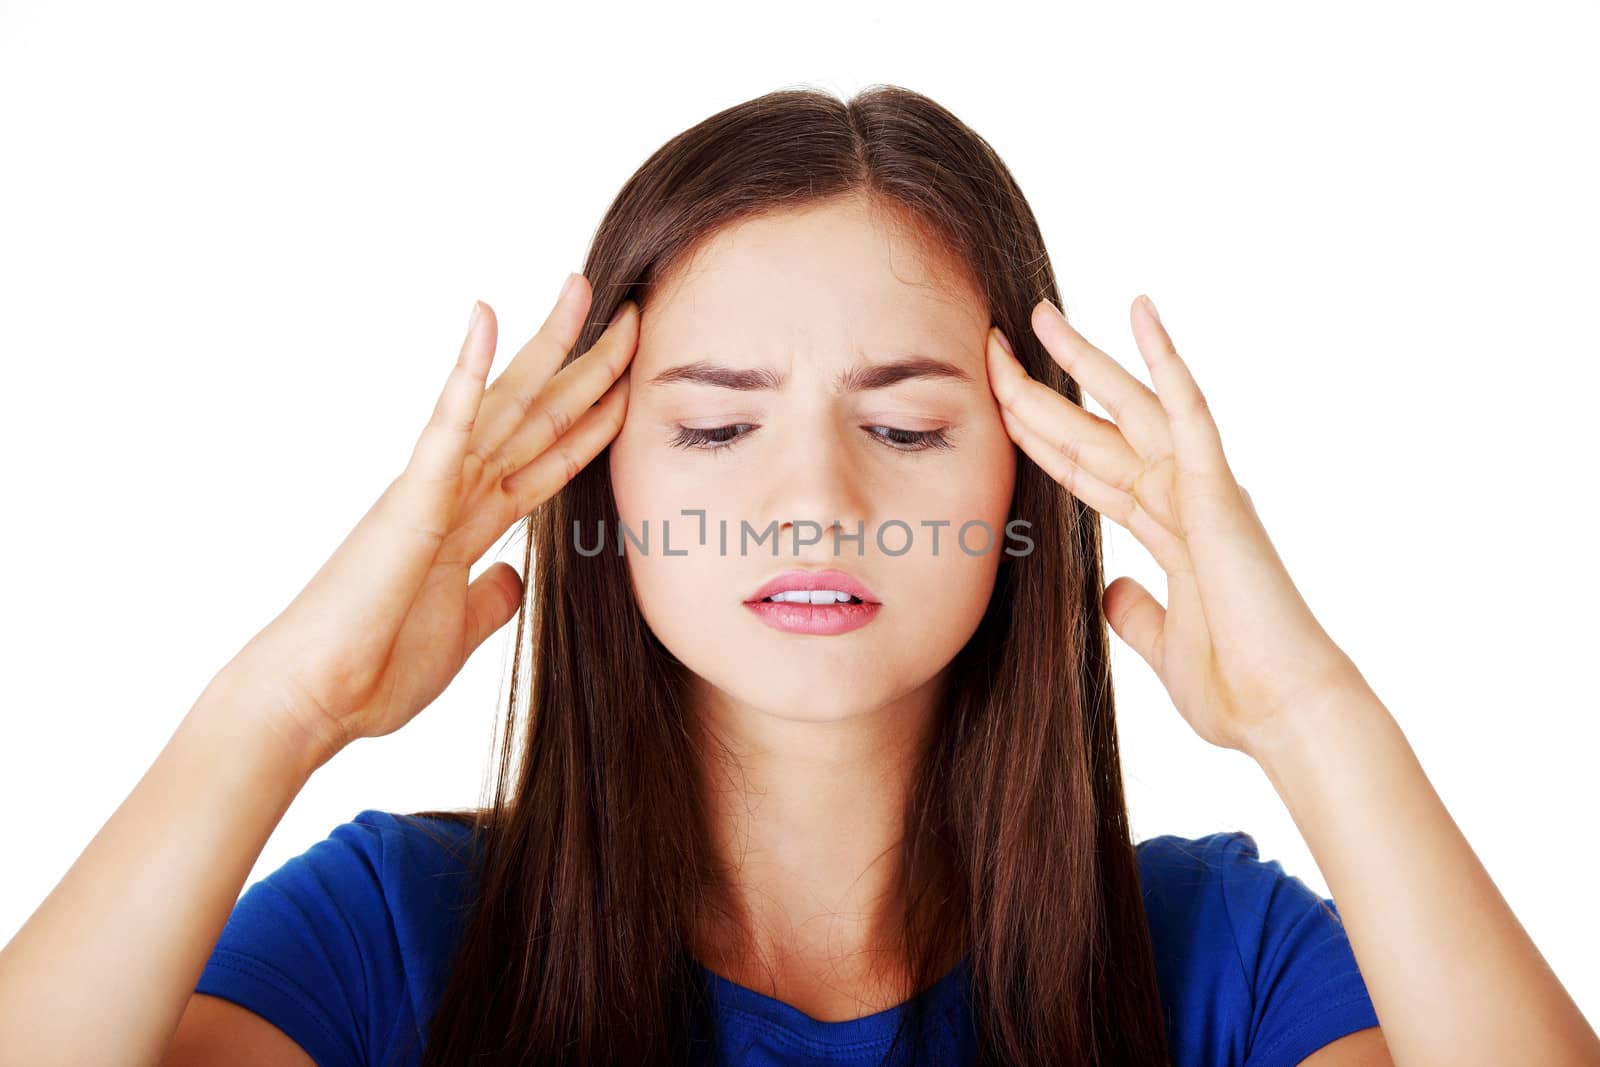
[{"x": 593, "y": 857}]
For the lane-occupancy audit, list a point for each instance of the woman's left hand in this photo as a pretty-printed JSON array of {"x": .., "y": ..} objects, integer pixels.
[{"x": 1237, "y": 648}]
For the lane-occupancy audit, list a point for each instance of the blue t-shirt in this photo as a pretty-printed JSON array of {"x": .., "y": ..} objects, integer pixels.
[{"x": 345, "y": 947}]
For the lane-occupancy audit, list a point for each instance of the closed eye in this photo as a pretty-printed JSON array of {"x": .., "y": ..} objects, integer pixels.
[{"x": 719, "y": 438}]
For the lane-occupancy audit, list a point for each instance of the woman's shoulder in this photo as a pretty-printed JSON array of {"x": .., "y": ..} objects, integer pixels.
[
  {"x": 1170, "y": 862},
  {"x": 1253, "y": 963},
  {"x": 1216, "y": 892},
  {"x": 415, "y": 862},
  {"x": 418, "y": 863},
  {"x": 343, "y": 945},
  {"x": 437, "y": 841}
]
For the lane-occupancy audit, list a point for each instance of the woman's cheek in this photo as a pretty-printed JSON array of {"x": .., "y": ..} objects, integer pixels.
[
  {"x": 969, "y": 562},
  {"x": 651, "y": 493}
]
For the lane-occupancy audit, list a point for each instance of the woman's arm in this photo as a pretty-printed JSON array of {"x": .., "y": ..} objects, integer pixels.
[
  {"x": 103, "y": 970},
  {"x": 107, "y": 963},
  {"x": 1453, "y": 976}
]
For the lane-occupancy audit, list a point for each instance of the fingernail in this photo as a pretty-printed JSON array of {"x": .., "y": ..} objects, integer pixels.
[
  {"x": 1150, "y": 306},
  {"x": 568, "y": 287},
  {"x": 1000, "y": 335},
  {"x": 472, "y": 318}
]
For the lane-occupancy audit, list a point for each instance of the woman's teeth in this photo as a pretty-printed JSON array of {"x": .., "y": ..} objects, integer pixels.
[{"x": 812, "y": 596}]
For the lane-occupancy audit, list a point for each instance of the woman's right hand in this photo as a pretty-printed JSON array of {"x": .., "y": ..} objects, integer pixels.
[{"x": 390, "y": 618}]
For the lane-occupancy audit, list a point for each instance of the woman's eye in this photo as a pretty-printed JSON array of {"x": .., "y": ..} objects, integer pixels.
[
  {"x": 911, "y": 440},
  {"x": 717, "y": 438},
  {"x": 713, "y": 439}
]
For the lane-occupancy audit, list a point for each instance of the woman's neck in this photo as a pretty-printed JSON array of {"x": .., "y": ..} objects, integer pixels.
[{"x": 807, "y": 820}]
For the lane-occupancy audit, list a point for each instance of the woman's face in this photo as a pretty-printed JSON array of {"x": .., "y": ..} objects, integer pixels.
[{"x": 795, "y": 301}]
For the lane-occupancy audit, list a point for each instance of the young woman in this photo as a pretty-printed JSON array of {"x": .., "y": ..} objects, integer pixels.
[{"x": 819, "y": 763}]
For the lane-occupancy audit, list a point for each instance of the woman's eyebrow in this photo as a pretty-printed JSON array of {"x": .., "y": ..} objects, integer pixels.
[{"x": 853, "y": 379}]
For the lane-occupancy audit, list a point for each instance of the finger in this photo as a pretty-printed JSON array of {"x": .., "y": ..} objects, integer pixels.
[
  {"x": 1249, "y": 504},
  {"x": 1137, "y": 617},
  {"x": 1123, "y": 508},
  {"x": 506, "y": 403},
  {"x": 570, "y": 393},
  {"x": 492, "y": 600},
  {"x": 435, "y": 464},
  {"x": 1086, "y": 440},
  {"x": 561, "y": 462},
  {"x": 404, "y": 530},
  {"x": 1196, "y": 444},
  {"x": 1129, "y": 402}
]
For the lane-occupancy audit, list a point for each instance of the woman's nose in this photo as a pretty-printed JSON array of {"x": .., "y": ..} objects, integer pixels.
[{"x": 814, "y": 486}]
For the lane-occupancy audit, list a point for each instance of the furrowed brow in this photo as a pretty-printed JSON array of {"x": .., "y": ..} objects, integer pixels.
[{"x": 854, "y": 379}]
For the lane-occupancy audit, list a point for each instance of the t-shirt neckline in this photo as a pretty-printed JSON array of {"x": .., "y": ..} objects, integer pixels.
[{"x": 811, "y": 1034}]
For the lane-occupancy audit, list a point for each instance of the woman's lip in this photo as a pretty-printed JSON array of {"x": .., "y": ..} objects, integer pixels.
[
  {"x": 797, "y": 579},
  {"x": 813, "y": 618}
]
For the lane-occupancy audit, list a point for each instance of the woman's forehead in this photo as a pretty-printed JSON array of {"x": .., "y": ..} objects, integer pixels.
[
  {"x": 821, "y": 251},
  {"x": 837, "y": 288}
]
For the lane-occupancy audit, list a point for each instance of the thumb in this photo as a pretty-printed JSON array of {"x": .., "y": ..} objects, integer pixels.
[
  {"x": 492, "y": 600},
  {"x": 1137, "y": 617}
]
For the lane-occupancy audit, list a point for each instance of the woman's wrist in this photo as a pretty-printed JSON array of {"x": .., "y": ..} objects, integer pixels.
[{"x": 245, "y": 719}]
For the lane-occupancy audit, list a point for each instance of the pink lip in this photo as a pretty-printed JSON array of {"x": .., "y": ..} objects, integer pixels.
[
  {"x": 814, "y": 618},
  {"x": 804, "y": 579}
]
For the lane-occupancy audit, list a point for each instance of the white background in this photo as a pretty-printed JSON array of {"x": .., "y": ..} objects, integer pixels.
[{"x": 238, "y": 246}]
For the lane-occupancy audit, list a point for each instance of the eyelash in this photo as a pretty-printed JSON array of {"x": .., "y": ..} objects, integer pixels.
[{"x": 705, "y": 440}]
